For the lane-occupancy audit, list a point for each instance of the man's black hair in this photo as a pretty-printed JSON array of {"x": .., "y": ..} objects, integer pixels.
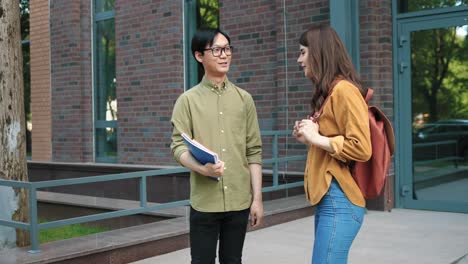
[{"x": 205, "y": 37}]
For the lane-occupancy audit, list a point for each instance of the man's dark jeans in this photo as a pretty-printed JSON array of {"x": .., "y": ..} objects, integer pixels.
[{"x": 206, "y": 228}]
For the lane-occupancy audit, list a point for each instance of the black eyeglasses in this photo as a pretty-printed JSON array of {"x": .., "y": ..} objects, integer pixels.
[{"x": 216, "y": 51}]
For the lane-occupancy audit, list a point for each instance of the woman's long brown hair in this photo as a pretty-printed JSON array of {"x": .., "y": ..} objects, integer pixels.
[{"x": 328, "y": 62}]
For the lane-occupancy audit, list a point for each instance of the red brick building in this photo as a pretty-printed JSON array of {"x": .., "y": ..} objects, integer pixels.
[
  {"x": 145, "y": 42},
  {"x": 149, "y": 69}
]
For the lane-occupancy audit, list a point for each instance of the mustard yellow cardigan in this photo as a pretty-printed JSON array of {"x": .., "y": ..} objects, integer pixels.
[{"x": 345, "y": 121}]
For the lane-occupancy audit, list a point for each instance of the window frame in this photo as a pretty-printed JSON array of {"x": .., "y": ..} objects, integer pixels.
[
  {"x": 97, "y": 123},
  {"x": 191, "y": 21}
]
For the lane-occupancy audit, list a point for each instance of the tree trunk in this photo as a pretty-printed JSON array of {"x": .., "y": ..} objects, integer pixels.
[{"x": 13, "y": 166}]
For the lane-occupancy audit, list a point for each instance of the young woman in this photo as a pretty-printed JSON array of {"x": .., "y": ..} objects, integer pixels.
[{"x": 336, "y": 138}]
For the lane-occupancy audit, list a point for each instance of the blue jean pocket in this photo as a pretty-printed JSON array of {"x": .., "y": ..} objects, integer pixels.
[{"x": 357, "y": 212}]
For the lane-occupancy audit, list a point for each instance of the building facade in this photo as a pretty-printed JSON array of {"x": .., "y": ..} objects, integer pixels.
[{"x": 105, "y": 75}]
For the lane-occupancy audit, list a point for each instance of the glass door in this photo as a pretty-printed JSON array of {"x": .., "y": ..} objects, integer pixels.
[{"x": 433, "y": 81}]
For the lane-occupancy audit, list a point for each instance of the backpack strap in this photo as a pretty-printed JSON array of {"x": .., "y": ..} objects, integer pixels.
[
  {"x": 318, "y": 113},
  {"x": 370, "y": 93}
]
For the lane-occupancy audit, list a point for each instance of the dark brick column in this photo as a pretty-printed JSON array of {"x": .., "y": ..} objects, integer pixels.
[
  {"x": 375, "y": 22},
  {"x": 71, "y": 80},
  {"x": 150, "y": 77}
]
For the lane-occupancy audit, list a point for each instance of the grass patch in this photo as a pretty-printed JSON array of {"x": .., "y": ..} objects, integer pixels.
[{"x": 68, "y": 231}]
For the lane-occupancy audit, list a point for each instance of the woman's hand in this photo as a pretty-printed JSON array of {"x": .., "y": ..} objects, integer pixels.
[{"x": 306, "y": 131}]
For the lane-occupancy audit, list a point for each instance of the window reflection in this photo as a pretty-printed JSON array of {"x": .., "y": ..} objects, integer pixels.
[
  {"x": 405, "y": 6},
  {"x": 107, "y": 143},
  {"x": 106, "y": 81},
  {"x": 207, "y": 16},
  {"x": 103, "y": 5},
  {"x": 105, "y": 85},
  {"x": 439, "y": 71}
]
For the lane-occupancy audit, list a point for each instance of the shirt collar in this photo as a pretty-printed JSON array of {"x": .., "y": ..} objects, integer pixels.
[{"x": 213, "y": 87}]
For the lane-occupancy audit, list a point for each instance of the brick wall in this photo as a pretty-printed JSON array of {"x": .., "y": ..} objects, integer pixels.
[
  {"x": 375, "y": 21},
  {"x": 40, "y": 81},
  {"x": 265, "y": 61},
  {"x": 150, "y": 72},
  {"x": 149, "y": 59},
  {"x": 86, "y": 81},
  {"x": 150, "y": 77},
  {"x": 294, "y": 90},
  {"x": 71, "y": 80}
]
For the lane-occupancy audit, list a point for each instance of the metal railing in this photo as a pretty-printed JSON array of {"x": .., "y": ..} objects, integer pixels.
[
  {"x": 34, "y": 226},
  {"x": 437, "y": 152}
]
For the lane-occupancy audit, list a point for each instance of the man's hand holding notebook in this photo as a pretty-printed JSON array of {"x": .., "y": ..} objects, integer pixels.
[{"x": 200, "y": 152}]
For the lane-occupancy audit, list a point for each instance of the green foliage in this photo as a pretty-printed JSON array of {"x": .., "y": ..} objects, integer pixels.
[
  {"x": 418, "y": 5},
  {"x": 208, "y": 13},
  {"x": 439, "y": 73},
  {"x": 24, "y": 21},
  {"x": 24, "y": 13}
]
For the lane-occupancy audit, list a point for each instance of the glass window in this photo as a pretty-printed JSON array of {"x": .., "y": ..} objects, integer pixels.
[
  {"x": 25, "y": 41},
  {"x": 103, "y": 5},
  {"x": 405, "y": 6},
  {"x": 438, "y": 82},
  {"x": 105, "y": 83},
  {"x": 106, "y": 101},
  {"x": 199, "y": 13},
  {"x": 106, "y": 142}
]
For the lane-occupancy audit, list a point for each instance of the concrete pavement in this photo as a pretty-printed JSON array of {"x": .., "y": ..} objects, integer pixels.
[{"x": 400, "y": 236}]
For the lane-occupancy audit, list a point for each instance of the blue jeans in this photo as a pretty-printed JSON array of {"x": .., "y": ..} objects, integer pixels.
[{"x": 337, "y": 222}]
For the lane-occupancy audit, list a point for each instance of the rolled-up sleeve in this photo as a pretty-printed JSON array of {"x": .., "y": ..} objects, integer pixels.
[
  {"x": 337, "y": 146},
  {"x": 352, "y": 118},
  {"x": 181, "y": 124},
  {"x": 253, "y": 137}
]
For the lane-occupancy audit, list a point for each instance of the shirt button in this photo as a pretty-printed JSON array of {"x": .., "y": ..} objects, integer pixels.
[
  {"x": 224, "y": 150},
  {"x": 225, "y": 187},
  {"x": 222, "y": 131},
  {"x": 220, "y": 113},
  {"x": 225, "y": 168}
]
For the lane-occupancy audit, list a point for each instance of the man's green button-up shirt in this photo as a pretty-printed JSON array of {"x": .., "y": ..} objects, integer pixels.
[{"x": 223, "y": 119}]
